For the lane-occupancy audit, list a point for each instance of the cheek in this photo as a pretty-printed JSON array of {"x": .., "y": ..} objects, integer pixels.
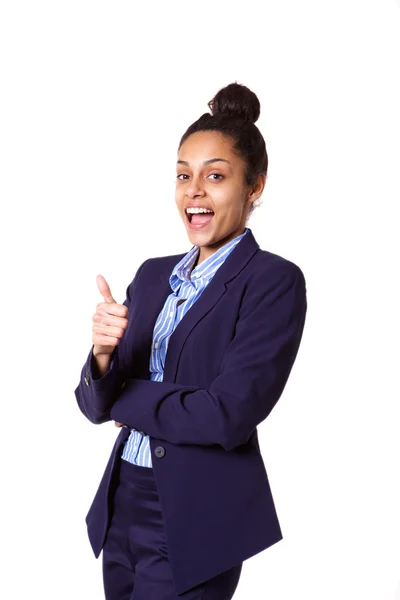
[{"x": 230, "y": 205}]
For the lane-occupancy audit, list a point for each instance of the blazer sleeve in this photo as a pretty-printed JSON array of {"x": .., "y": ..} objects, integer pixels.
[
  {"x": 253, "y": 373},
  {"x": 95, "y": 394}
]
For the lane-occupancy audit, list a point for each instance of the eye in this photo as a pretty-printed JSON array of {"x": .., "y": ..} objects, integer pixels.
[{"x": 211, "y": 175}]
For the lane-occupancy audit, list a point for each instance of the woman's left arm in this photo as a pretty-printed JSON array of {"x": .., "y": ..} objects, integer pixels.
[{"x": 253, "y": 374}]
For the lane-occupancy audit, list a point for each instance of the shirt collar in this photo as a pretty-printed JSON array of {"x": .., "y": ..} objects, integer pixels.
[{"x": 206, "y": 270}]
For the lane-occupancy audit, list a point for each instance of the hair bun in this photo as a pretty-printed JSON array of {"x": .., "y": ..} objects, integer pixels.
[{"x": 236, "y": 100}]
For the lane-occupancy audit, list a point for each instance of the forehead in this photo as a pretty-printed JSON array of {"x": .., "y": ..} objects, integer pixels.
[{"x": 204, "y": 145}]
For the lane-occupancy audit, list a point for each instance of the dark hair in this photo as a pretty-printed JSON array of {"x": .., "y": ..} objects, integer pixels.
[{"x": 234, "y": 111}]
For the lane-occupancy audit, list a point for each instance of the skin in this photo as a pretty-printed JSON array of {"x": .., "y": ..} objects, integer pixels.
[{"x": 219, "y": 186}]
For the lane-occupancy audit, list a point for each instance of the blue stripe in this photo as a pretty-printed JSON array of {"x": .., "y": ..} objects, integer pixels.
[{"x": 184, "y": 284}]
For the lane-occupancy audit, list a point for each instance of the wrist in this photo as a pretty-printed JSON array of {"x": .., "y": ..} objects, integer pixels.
[{"x": 100, "y": 364}]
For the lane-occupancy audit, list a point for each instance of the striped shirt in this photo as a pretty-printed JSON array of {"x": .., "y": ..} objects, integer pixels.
[{"x": 187, "y": 287}]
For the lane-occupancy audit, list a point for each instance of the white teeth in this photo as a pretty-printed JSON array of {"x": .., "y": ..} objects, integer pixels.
[{"x": 196, "y": 210}]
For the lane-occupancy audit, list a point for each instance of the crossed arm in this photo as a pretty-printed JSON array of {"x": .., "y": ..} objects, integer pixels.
[{"x": 253, "y": 374}]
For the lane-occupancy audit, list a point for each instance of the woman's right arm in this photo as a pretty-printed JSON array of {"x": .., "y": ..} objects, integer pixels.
[{"x": 101, "y": 378}]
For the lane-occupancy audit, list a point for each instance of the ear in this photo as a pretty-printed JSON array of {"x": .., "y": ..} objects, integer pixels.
[{"x": 258, "y": 188}]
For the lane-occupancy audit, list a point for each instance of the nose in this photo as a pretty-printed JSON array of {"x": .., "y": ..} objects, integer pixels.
[{"x": 195, "y": 188}]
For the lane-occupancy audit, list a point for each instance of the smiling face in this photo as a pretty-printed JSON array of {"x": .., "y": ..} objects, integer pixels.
[{"x": 217, "y": 185}]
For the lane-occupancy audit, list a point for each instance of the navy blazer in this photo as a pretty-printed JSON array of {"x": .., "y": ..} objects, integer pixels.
[{"x": 227, "y": 364}]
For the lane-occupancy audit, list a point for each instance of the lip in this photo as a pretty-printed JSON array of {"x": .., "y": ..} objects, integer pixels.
[{"x": 199, "y": 226}]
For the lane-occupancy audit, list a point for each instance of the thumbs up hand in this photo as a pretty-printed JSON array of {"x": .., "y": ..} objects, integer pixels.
[{"x": 109, "y": 321}]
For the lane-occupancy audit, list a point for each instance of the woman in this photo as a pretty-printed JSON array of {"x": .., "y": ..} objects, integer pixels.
[{"x": 193, "y": 360}]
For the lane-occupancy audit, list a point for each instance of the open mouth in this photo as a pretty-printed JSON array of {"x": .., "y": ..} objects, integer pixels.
[{"x": 199, "y": 218}]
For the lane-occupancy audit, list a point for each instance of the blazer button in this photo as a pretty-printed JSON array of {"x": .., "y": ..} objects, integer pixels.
[
  {"x": 86, "y": 378},
  {"x": 159, "y": 451}
]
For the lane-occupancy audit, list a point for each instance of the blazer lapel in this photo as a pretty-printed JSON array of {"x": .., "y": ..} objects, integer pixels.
[
  {"x": 235, "y": 262},
  {"x": 158, "y": 290}
]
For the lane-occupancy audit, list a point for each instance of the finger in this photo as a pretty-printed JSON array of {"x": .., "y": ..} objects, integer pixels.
[
  {"x": 114, "y": 309},
  {"x": 107, "y": 318},
  {"x": 104, "y": 289},
  {"x": 101, "y": 325},
  {"x": 104, "y": 340},
  {"x": 102, "y": 329}
]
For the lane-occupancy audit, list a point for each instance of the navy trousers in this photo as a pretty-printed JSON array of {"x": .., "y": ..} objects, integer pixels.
[{"x": 135, "y": 554}]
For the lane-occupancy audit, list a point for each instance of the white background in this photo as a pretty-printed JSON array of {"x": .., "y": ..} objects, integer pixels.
[{"x": 94, "y": 99}]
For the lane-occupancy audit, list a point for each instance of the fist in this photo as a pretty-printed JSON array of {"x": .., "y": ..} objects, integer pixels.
[{"x": 109, "y": 321}]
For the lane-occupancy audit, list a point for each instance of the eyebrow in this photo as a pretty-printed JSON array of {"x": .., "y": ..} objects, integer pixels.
[{"x": 206, "y": 162}]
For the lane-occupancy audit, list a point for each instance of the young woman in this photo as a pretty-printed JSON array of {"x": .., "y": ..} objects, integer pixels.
[{"x": 193, "y": 360}]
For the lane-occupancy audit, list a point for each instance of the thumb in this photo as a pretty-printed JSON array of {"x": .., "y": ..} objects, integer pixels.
[{"x": 104, "y": 289}]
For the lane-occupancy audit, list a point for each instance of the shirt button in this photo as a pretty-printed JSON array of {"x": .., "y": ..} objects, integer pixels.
[
  {"x": 171, "y": 314},
  {"x": 156, "y": 345}
]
